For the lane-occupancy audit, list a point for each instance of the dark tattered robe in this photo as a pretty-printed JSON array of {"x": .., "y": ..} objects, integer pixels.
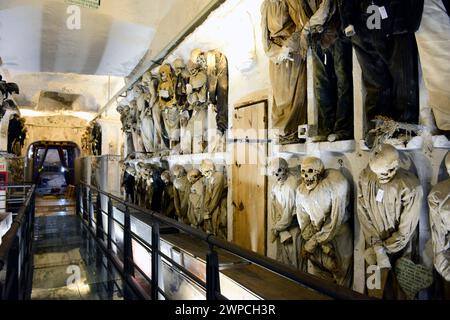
[
  {"x": 439, "y": 203},
  {"x": 167, "y": 201},
  {"x": 281, "y": 26},
  {"x": 325, "y": 210}
]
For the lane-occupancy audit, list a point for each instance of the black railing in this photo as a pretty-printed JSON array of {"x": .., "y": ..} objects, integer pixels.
[
  {"x": 16, "y": 249},
  {"x": 89, "y": 208}
]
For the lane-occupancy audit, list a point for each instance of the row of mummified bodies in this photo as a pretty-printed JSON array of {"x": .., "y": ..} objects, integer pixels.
[
  {"x": 91, "y": 139},
  {"x": 386, "y": 49},
  {"x": 320, "y": 239},
  {"x": 197, "y": 197},
  {"x": 169, "y": 110}
]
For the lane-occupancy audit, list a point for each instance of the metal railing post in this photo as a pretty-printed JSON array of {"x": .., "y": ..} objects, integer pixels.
[
  {"x": 155, "y": 261},
  {"x": 212, "y": 274},
  {"x": 90, "y": 208},
  {"x": 99, "y": 218},
  {"x": 127, "y": 245},
  {"x": 110, "y": 224},
  {"x": 85, "y": 200},
  {"x": 77, "y": 203}
]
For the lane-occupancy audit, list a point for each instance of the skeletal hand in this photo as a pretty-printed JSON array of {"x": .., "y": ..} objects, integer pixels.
[
  {"x": 311, "y": 245},
  {"x": 283, "y": 55}
]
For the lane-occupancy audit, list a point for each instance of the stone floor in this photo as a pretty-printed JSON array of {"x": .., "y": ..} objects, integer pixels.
[{"x": 68, "y": 264}]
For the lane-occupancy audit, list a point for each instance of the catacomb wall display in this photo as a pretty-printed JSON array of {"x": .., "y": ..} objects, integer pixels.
[
  {"x": 315, "y": 219},
  {"x": 439, "y": 203},
  {"x": 280, "y": 26},
  {"x": 389, "y": 204}
]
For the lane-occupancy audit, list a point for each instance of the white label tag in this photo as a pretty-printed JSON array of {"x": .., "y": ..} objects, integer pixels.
[
  {"x": 380, "y": 195},
  {"x": 325, "y": 59},
  {"x": 164, "y": 93},
  {"x": 383, "y": 12}
]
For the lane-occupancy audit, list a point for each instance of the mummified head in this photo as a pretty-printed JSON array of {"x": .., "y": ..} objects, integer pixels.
[
  {"x": 166, "y": 177},
  {"x": 312, "y": 172},
  {"x": 178, "y": 171},
  {"x": 279, "y": 168},
  {"x": 193, "y": 175},
  {"x": 207, "y": 168},
  {"x": 178, "y": 66},
  {"x": 165, "y": 72},
  {"x": 384, "y": 162},
  {"x": 198, "y": 57}
]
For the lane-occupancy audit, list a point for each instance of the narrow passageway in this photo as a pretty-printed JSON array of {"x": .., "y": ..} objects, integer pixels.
[{"x": 68, "y": 264}]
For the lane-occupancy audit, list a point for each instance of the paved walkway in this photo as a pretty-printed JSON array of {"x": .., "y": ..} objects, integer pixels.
[{"x": 68, "y": 264}]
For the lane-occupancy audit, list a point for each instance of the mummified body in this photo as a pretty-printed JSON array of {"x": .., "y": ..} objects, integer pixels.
[
  {"x": 167, "y": 201},
  {"x": 439, "y": 203},
  {"x": 215, "y": 208},
  {"x": 287, "y": 235},
  {"x": 196, "y": 198},
  {"x": 322, "y": 201},
  {"x": 389, "y": 203},
  {"x": 181, "y": 191}
]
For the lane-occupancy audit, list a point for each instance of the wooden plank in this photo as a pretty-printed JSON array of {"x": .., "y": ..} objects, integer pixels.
[
  {"x": 249, "y": 184},
  {"x": 270, "y": 286}
]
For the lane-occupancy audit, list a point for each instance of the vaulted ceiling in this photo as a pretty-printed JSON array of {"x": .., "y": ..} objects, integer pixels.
[{"x": 80, "y": 69}]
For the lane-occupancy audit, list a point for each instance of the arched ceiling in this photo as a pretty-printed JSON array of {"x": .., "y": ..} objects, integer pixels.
[{"x": 82, "y": 67}]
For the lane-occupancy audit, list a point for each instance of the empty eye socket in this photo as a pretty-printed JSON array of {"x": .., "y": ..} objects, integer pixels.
[{"x": 310, "y": 171}]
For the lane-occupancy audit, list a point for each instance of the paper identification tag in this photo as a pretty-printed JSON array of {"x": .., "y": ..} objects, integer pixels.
[
  {"x": 383, "y": 12},
  {"x": 325, "y": 59},
  {"x": 164, "y": 93},
  {"x": 380, "y": 196}
]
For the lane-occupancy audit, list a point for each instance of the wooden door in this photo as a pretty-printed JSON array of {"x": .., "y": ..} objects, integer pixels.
[{"x": 249, "y": 182}]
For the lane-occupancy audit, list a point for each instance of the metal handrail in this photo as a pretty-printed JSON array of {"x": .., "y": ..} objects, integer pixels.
[
  {"x": 304, "y": 279},
  {"x": 16, "y": 249}
]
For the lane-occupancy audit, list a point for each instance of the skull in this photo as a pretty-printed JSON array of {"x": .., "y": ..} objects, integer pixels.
[
  {"x": 179, "y": 171},
  {"x": 384, "y": 162},
  {"x": 198, "y": 57},
  {"x": 130, "y": 170},
  {"x": 165, "y": 72},
  {"x": 193, "y": 175},
  {"x": 312, "y": 171},
  {"x": 447, "y": 163},
  {"x": 279, "y": 168},
  {"x": 165, "y": 177},
  {"x": 178, "y": 66},
  {"x": 192, "y": 68},
  {"x": 207, "y": 168}
]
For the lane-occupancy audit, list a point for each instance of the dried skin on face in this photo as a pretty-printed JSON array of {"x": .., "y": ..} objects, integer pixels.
[
  {"x": 279, "y": 168},
  {"x": 385, "y": 162},
  {"x": 207, "y": 168},
  {"x": 312, "y": 170}
]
